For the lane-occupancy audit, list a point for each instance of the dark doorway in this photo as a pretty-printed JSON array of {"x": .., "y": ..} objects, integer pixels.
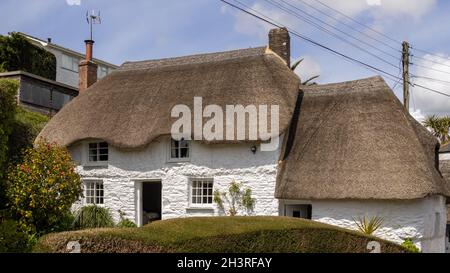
[
  {"x": 151, "y": 199},
  {"x": 298, "y": 211}
]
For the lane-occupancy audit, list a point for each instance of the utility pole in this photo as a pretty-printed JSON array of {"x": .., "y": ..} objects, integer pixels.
[{"x": 405, "y": 60}]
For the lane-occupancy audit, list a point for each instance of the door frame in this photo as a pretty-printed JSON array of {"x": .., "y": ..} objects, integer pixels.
[{"x": 139, "y": 199}]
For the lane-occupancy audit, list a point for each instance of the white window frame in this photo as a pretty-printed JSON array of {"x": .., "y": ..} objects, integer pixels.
[
  {"x": 178, "y": 159},
  {"x": 87, "y": 157},
  {"x": 191, "y": 187},
  {"x": 94, "y": 182}
]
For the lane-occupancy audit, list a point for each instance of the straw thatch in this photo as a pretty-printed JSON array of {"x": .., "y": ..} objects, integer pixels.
[
  {"x": 445, "y": 148},
  {"x": 354, "y": 140},
  {"x": 132, "y": 106}
]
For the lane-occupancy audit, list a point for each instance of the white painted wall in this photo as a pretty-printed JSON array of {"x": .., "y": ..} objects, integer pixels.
[
  {"x": 444, "y": 156},
  {"x": 416, "y": 219},
  {"x": 224, "y": 163}
]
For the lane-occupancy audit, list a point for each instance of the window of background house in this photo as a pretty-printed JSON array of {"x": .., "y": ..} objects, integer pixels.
[
  {"x": 102, "y": 72},
  {"x": 70, "y": 63},
  {"x": 98, "y": 152},
  {"x": 179, "y": 150},
  {"x": 93, "y": 192},
  {"x": 201, "y": 191}
]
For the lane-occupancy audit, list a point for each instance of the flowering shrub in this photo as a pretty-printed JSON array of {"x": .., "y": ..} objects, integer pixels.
[{"x": 43, "y": 188}]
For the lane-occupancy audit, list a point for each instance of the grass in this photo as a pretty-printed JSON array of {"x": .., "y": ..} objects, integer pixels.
[{"x": 218, "y": 234}]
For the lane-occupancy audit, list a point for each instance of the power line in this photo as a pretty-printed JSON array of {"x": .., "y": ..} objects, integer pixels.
[
  {"x": 348, "y": 25},
  {"x": 430, "y": 68},
  {"x": 430, "y": 78},
  {"x": 359, "y": 23},
  {"x": 305, "y": 38},
  {"x": 280, "y": 6},
  {"x": 430, "y": 53},
  {"x": 430, "y": 61}
]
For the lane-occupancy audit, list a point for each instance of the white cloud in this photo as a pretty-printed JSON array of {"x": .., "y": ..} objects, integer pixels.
[
  {"x": 308, "y": 68},
  {"x": 418, "y": 115},
  {"x": 427, "y": 101},
  {"x": 73, "y": 2}
]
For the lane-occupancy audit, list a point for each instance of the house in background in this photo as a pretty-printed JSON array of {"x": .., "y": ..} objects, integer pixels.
[
  {"x": 347, "y": 150},
  {"x": 46, "y": 96},
  {"x": 67, "y": 61},
  {"x": 444, "y": 165}
]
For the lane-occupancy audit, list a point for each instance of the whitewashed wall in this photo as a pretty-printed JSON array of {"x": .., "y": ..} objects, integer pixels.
[
  {"x": 224, "y": 163},
  {"x": 416, "y": 219}
]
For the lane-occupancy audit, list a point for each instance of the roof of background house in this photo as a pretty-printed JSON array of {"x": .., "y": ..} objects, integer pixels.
[
  {"x": 67, "y": 50},
  {"x": 445, "y": 148},
  {"x": 18, "y": 73},
  {"x": 132, "y": 106},
  {"x": 354, "y": 140}
]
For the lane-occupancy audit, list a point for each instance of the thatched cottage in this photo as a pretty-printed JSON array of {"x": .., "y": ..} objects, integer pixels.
[
  {"x": 347, "y": 150},
  {"x": 444, "y": 164}
]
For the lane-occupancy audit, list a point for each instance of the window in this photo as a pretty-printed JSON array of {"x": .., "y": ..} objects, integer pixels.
[
  {"x": 179, "y": 150},
  {"x": 98, "y": 152},
  {"x": 70, "y": 63},
  {"x": 93, "y": 192},
  {"x": 201, "y": 192},
  {"x": 102, "y": 72}
]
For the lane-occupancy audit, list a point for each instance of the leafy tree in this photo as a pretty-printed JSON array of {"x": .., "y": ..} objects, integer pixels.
[
  {"x": 440, "y": 127},
  {"x": 309, "y": 81},
  {"x": 43, "y": 188},
  {"x": 8, "y": 90},
  {"x": 235, "y": 197},
  {"x": 17, "y": 53}
]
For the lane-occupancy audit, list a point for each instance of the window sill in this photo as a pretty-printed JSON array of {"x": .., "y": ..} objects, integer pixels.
[
  {"x": 200, "y": 208},
  {"x": 187, "y": 160},
  {"x": 99, "y": 164}
]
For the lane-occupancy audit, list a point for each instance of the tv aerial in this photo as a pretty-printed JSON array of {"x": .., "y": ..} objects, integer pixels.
[{"x": 93, "y": 18}]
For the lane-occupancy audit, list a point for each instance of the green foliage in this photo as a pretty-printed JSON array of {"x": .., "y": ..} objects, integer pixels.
[
  {"x": 12, "y": 238},
  {"x": 124, "y": 222},
  {"x": 93, "y": 216},
  {"x": 25, "y": 129},
  {"x": 220, "y": 235},
  {"x": 43, "y": 188},
  {"x": 235, "y": 197},
  {"x": 410, "y": 246},
  {"x": 367, "y": 225},
  {"x": 17, "y": 53},
  {"x": 8, "y": 90},
  {"x": 440, "y": 126}
]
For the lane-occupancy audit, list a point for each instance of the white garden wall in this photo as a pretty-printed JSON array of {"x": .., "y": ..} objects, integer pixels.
[{"x": 422, "y": 220}]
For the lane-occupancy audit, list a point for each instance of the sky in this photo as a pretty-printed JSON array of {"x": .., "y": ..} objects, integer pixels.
[{"x": 153, "y": 29}]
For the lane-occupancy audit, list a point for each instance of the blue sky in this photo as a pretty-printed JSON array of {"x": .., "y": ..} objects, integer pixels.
[{"x": 151, "y": 29}]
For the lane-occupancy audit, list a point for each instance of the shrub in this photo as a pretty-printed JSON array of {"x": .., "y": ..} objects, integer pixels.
[
  {"x": 410, "y": 246},
  {"x": 12, "y": 238},
  {"x": 93, "y": 217},
  {"x": 367, "y": 225},
  {"x": 235, "y": 197},
  {"x": 43, "y": 188},
  {"x": 124, "y": 222},
  {"x": 17, "y": 53}
]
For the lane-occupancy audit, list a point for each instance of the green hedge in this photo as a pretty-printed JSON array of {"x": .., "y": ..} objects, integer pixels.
[{"x": 17, "y": 53}]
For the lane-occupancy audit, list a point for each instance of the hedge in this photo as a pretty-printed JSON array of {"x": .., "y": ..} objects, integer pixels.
[{"x": 17, "y": 53}]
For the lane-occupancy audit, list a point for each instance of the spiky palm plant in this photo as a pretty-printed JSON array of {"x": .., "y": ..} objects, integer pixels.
[
  {"x": 368, "y": 225},
  {"x": 93, "y": 217},
  {"x": 309, "y": 81}
]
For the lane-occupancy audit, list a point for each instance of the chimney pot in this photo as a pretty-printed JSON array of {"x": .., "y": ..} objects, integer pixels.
[{"x": 280, "y": 43}]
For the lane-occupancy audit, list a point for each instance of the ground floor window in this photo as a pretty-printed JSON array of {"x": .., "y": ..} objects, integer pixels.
[
  {"x": 201, "y": 191},
  {"x": 93, "y": 192},
  {"x": 298, "y": 211}
]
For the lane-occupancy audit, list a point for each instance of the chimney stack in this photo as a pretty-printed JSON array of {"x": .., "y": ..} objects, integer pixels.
[
  {"x": 87, "y": 68},
  {"x": 280, "y": 43}
]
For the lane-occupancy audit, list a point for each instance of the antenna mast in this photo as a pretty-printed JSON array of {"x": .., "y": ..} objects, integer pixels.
[{"x": 93, "y": 19}]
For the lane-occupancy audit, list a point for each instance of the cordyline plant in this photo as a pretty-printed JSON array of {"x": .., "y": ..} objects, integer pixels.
[
  {"x": 235, "y": 197},
  {"x": 42, "y": 189},
  {"x": 368, "y": 225}
]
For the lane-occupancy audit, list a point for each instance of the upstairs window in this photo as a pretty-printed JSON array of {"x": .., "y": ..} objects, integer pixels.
[
  {"x": 70, "y": 63},
  {"x": 179, "y": 150},
  {"x": 98, "y": 152}
]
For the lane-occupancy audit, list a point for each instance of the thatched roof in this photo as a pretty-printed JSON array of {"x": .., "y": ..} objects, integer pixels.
[
  {"x": 445, "y": 169},
  {"x": 132, "y": 106},
  {"x": 354, "y": 140},
  {"x": 445, "y": 148}
]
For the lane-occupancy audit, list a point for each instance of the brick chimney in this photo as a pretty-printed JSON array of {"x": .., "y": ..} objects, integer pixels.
[
  {"x": 280, "y": 43},
  {"x": 87, "y": 68}
]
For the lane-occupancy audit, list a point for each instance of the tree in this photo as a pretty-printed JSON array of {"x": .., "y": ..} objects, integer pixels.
[
  {"x": 309, "y": 81},
  {"x": 236, "y": 198},
  {"x": 43, "y": 188},
  {"x": 8, "y": 89},
  {"x": 440, "y": 127}
]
